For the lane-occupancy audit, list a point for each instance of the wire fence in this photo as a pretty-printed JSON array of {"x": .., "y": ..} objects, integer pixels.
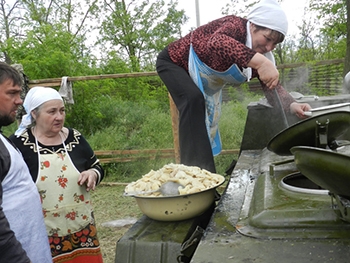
[{"x": 322, "y": 78}]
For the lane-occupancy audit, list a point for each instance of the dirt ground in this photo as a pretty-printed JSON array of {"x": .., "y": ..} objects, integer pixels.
[{"x": 109, "y": 206}]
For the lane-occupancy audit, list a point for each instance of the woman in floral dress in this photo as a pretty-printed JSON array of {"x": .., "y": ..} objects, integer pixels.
[{"x": 65, "y": 169}]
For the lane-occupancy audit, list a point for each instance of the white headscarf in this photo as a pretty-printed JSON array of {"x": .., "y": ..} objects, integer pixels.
[
  {"x": 269, "y": 14},
  {"x": 34, "y": 98}
]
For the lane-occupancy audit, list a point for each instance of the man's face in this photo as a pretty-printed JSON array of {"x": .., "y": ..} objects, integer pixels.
[{"x": 9, "y": 101}]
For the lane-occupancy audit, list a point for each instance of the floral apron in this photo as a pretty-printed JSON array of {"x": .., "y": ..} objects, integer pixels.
[
  {"x": 211, "y": 83},
  {"x": 66, "y": 207}
]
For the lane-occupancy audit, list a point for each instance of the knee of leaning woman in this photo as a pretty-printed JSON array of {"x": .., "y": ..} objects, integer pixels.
[
  {"x": 195, "y": 96},
  {"x": 195, "y": 102}
]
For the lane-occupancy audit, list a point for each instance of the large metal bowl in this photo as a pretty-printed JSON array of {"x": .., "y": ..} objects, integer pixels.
[{"x": 176, "y": 208}]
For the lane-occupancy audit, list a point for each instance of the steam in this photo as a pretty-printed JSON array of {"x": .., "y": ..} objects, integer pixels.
[
  {"x": 346, "y": 84},
  {"x": 297, "y": 80}
]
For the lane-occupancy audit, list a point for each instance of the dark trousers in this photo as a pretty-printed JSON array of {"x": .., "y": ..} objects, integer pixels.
[{"x": 195, "y": 148}]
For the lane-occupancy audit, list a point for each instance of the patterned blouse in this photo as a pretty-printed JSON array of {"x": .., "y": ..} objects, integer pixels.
[
  {"x": 78, "y": 149},
  {"x": 220, "y": 44}
]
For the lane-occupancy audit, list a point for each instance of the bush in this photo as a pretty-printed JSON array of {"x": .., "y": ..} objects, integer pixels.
[{"x": 138, "y": 126}]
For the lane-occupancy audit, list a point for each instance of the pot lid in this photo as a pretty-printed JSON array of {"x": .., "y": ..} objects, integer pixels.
[
  {"x": 326, "y": 168},
  {"x": 303, "y": 133}
]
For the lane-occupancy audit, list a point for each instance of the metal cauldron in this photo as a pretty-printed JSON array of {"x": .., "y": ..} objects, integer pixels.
[{"x": 324, "y": 129}]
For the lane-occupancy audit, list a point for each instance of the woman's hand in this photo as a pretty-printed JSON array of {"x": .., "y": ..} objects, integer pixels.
[
  {"x": 88, "y": 177},
  {"x": 267, "y": 71},
  {"x": 299, "y": 108}
]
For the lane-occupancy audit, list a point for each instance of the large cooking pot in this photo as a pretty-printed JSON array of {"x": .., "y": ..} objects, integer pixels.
[
  {"x": 328, "y": 169},
  {"x": 303, "y": 133},
  {"x": 176, "y": 208}
]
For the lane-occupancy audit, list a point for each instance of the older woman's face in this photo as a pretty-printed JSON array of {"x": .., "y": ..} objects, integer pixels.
[
  {"x": 50, "y": 116},
  {"x": 263, "y": 40}
]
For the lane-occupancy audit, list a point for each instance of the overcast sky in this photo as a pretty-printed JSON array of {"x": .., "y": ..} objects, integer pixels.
[{"x": 210, "y": 10}]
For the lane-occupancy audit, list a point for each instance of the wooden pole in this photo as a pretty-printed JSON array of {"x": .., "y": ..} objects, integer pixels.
[
  {"x": 56, "y": 82},
  {"x": 175, "y": 125}
]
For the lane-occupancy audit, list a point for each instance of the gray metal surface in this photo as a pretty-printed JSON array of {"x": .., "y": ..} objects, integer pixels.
[
  {"x": 310, "y": 234},
  {"x": 158, "y": 241}
]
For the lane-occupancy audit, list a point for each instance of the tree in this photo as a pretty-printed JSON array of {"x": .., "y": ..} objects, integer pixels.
[
  {"x": 138, "y": 30},
  {"x": 335, "y": 27},
  {"x": 10, "y": 18},
  {"x": 238, "y": 7},
  {"x": 55, "y": 43}
]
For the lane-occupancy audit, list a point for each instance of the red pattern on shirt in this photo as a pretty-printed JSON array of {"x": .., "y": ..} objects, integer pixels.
[{"x": 220, "y": 44}]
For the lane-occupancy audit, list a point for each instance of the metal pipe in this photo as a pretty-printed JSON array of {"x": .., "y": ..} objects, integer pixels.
[{"x": 197, "y": 14}]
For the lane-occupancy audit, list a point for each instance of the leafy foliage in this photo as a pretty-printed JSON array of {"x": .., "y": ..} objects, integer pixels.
[
  {"x": 140, "y": 29},
  {"x": 333, "y": 27},
  {"x": 332, "y": 14},
  {"x": 139, "y": 126},
  {"x": 50, "y": 52},
  {"x": 135, "y": 125}
]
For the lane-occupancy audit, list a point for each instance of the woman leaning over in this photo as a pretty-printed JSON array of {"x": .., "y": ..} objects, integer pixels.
[
  {"x": 65, "y": 169},
  {"x": 227, "y": 51}
]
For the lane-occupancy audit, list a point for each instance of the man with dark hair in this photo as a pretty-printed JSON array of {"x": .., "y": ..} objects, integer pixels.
[{"x": 22, "y": 231}]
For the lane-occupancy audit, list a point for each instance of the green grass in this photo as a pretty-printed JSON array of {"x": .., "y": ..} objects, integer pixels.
[{"x": 155, "y": 132}]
